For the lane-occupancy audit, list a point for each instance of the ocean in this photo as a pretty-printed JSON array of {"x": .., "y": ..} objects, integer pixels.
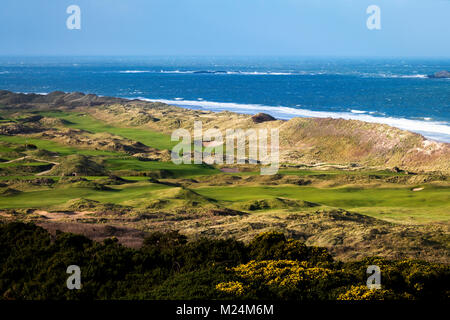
[{"x": 391, "y": 91}]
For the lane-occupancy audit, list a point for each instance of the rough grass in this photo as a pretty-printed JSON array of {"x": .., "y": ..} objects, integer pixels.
[
  {"x": 401, "y": 204},
  {"x": 77, "y": 164},
  {"x": 86, "y": 122},
  {"x": 176, "y": 196},
  {"x": 276, "y": 203},
  {"x": 173, "y": 198}
]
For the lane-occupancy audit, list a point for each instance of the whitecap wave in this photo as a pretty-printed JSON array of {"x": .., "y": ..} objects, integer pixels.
[
  {"x": 283, "y": 73},
  {"x": 358, "y": 111},
  {"x": 430, "y": 129},
  {"x": 134, "y": 71},
  {"x": 409, "y": 76},
  {"x": 387, "y": 75},
  {"x": 269, "y": 73},
  {"x": 254, "y": 73},
  {"x": 175, "y": 71}
]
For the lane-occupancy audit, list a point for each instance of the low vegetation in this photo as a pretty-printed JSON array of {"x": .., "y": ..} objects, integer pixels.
[
  {"x": 347, "y": 194},
  {"x": 33, "y": 266}
]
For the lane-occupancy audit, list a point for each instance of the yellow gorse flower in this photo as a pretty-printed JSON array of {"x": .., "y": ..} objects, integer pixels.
[
  {"x": 285, "y": 273},
  {"x": 233, "y": 287},
  {"x": 364, "y": 293}
]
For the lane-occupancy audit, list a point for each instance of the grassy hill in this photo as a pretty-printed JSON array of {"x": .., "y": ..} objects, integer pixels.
[{"x": 75, "y": 161}]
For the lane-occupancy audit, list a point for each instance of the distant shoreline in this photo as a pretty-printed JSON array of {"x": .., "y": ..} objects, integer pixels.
[
  {"x": 395, "y": 92},
  {"x": 307, "y": 140},
  {"x": 432, "y": 130}
]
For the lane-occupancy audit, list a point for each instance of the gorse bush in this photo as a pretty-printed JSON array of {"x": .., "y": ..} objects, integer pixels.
[
  {"x": 363, "y": 293},
  {"x": 283, "y": 279},
  {"x": 33, "y": 265}
]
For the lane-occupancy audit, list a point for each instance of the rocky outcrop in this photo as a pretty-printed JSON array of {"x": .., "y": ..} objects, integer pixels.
[
  {"x": 262, "y": 117},
  {"x": 440, "y": 75}
]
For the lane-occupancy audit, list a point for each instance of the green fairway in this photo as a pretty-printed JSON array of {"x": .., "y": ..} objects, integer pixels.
[
  {"x": 323, "y": 173},
  {"x": 395, "y": 204},
  {"x": 16, "y": 177},
  {"x": 5, "y": 148},
  {"x": 54, "y": 146},
  {"x": 312, "y": 172},
  {"x": 55, "y": 196},
  {"x": 430, "y": 204},
  {"x": 86, "y": 122},
  {"x": 382, "y": 199},
  {"x": 20, "y": 164},
  {"x": 182, "y": 170}
]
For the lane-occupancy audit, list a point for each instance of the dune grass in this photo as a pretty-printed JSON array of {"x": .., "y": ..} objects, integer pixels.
[{"x": 400, "y": 203}]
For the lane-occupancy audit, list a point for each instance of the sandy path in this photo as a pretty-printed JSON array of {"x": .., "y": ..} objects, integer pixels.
[
  {"x": 14, "y": 160},
  {"x": 38, "y": 160},
  {"x": 31, "y": 158},
  {"x": 62, "y": 215}
]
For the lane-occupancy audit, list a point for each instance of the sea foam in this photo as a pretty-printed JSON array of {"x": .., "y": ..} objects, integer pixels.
[
  {"x": 134, "y": 71},
  {"x": 435, "y": 130},
  {"x": 283, "y": 73}
]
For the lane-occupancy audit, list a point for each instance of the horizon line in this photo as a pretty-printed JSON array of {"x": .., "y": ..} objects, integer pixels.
[{"x": 309, "y": 56}]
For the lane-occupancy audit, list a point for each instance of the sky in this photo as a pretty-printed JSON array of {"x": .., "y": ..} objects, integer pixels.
[{"x": 409, "y": 28}]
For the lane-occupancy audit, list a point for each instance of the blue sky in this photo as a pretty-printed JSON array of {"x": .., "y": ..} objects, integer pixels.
[{"x": 410, "y": 28}]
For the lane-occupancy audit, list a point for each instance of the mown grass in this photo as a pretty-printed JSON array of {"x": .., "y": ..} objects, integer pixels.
[
  {"x": 182, "y": 170},
  {"x": 4, "y": 149},
  {"x": 323, "y": 172},
  {"x": 312, "y": 172},
  {"x": 430, "y": 204},
  {"x": 55, "y": 147},
  {"x": 385, "y": 202},
  {"x": 83, "y": 121},
  {"x": 21, "y": 164},
  {"x": 57, "y": 178},
  {"x": 393, "y": 204},
  {"x": 17, "y": 177},
  {"x": 338, "y": 197},
  {"x": 48, "y": 197}
]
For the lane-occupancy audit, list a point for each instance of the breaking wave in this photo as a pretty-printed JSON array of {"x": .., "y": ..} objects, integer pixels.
[
  {"x": 281, "y": 73},
  {"x": 430, "y": 129}
]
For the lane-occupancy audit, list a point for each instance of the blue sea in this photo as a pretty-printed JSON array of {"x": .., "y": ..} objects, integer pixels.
[{"x": 392, "y": 91}]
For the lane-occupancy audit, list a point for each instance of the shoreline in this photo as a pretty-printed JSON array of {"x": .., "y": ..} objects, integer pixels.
[
  {"x": 435, "y": 130},
  {"x": 438, "y": 131}
]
